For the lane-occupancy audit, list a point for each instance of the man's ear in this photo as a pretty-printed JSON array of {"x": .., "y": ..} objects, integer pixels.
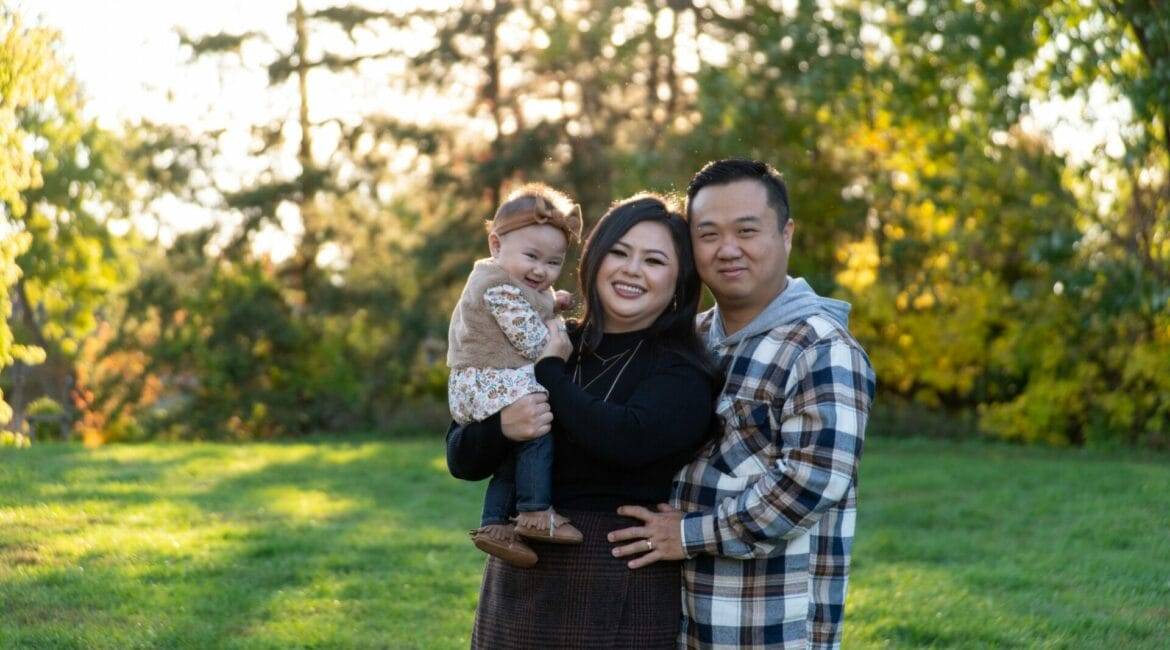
[
  {"x": 786, "y": 234},
  {"x": 494, "y": 244}
]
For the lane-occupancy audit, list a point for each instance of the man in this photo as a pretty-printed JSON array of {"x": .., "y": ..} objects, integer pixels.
[{"x": 768, "y": 507}]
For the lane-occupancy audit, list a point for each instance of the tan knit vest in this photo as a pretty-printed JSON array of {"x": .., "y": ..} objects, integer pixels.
[{"x": 475, "y": 339}]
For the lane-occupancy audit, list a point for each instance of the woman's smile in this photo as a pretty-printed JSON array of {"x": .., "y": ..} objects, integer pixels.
[{"x": 626, "y": 290}]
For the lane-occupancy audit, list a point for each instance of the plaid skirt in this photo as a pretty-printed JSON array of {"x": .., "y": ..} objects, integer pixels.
[{"x": 579, "y": 596}]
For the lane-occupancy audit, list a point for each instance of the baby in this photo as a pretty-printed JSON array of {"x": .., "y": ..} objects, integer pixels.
[{"x": 497, "y": 332}]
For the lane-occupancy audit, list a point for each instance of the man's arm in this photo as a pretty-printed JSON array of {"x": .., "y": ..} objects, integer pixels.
[{"x": 826, "y": 405}]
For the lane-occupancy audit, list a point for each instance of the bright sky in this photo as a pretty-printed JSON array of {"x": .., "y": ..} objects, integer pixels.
[
  {"x": 127, "y": 56},
  {"x": 131, "y": 66}
]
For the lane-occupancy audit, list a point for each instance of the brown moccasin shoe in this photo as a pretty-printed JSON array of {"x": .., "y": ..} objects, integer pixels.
[
  {"x": 513, "y": 551},
  {"x": 556, "y": 529}
]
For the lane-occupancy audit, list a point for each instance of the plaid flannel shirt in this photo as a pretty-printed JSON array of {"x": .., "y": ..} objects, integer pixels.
[{"x": 771, "y": 501}]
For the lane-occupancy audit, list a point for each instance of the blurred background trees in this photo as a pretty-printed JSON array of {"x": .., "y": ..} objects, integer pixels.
[{"x": 1004, "y": 280}]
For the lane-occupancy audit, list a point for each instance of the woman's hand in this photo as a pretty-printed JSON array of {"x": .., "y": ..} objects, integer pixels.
[
  {"x": 558, "y": 344},
  {"x": 527, "y": 418}
]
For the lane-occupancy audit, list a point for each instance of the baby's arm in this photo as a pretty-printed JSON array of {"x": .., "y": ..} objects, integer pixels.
[{"x": 518, "y": 319}]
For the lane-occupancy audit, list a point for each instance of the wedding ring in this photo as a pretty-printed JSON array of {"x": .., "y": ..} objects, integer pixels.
[{"x": 649, "y": 546}]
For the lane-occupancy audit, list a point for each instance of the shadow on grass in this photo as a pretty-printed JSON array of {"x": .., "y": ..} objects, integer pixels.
[
  {"x": 330, "y": 543},
  {"x": 363, "y": 544}
]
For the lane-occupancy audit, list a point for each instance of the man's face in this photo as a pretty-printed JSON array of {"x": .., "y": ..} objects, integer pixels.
[{"x": 740, "y": 250}]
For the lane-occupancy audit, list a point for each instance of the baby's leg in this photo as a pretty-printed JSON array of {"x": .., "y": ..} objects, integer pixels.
[
  {"x": 534, "y": 462},
  {"x": 496, "y": 536},
  {"x": 535, "y": 516},
  {"x": 501, "y": 494}
]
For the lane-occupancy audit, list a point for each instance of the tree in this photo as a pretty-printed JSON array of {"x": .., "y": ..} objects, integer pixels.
[
  {"x": 72, "y": 266},
  {"x": 1110, "y": 386},
  {"x": 382, "y": 252},
  {"x": 959, "y": 236},
  {"x": 29, "y": 76}
]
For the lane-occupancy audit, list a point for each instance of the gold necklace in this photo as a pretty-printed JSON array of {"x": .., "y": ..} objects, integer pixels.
[
  {"x": 577, "y": 372},
  {"x": 605, "y": 360}
]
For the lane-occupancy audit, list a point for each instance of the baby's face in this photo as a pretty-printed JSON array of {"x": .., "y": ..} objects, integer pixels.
[{"x": 532, "y": 255}]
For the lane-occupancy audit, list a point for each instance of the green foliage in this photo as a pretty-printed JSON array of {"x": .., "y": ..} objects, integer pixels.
[
  {"x": 45, "y": 417},
  {"x": 965, "y": 245},
  {"x": 224, "y": 340},
  {"x": 10, "y": 351},
  {"x": 992, "y": 277},
  {"x": 367, "y": 329},
  {"x": 1105, "y": 383},
  {"x": 30, "y": 76}
]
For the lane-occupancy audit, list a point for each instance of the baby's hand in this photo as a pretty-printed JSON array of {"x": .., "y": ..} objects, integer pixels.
[{"x": 564, "y": 300}]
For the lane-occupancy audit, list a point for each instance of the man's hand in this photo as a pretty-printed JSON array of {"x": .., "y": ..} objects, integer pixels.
[
  {"x": 659, "y": 538},
  {"x": 527, "y": 418},
  {"x": 558, "y": 344},
  {"x": 564, "y": 300}
]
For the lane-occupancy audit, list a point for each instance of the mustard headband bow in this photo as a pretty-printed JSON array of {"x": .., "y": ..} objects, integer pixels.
[{"x": 542, "y": 212}]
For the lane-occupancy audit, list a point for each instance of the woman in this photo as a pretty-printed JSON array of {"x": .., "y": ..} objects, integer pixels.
[{"x": 630, "y": 389}]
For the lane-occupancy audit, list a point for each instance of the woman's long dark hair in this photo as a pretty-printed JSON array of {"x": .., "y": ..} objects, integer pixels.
[{"x": 674, "y": 329}]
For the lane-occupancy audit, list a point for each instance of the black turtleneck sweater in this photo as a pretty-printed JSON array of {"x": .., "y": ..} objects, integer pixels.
[{"x": 620, "y": 451}]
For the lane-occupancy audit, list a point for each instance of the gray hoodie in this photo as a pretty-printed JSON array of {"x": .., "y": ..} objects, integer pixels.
[{"x": 795, "y": 303}]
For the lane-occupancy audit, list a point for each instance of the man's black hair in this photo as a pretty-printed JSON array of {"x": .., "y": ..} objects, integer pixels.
[{"x": 729, "y": 170}]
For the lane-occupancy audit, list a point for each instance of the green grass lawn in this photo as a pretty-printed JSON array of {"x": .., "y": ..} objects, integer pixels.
[{"x": 363, "y": 544}]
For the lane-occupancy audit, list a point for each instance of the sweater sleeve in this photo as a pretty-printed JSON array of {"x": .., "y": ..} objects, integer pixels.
[
  {"x": 476, "y": 449},
  {"x": 518, "y": 319},
  {"x": 830, "y": 389},
  {"x": 668, "y": 412}
]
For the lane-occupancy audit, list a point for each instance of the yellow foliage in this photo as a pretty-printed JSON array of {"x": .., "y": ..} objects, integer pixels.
[
  {"x": 14, "y": 439},
  {"x": 943, "y": 224},
  {"x": 925, "y": 210},
  {"x": 92, "y": 438},
  {"x": 861, "y": 261}
]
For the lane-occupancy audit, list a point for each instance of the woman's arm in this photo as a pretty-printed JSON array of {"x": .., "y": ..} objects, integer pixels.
[
  {"x": 475, "y": 450},
  {"x": 669, "y": 412}
]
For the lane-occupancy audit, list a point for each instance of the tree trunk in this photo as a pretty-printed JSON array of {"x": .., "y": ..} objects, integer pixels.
[
  {"x": 311, "y": 238},
  {"x": 492, "y": 96}
]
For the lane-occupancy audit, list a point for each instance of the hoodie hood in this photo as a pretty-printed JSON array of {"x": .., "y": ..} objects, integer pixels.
[{"x": 795, "y": 303}]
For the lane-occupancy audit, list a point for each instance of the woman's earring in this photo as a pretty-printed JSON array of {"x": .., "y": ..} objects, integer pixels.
[{"x": 674, "y": 304}]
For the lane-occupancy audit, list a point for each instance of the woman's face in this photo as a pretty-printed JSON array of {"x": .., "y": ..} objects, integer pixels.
[{"x": 636, "y": 279}]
